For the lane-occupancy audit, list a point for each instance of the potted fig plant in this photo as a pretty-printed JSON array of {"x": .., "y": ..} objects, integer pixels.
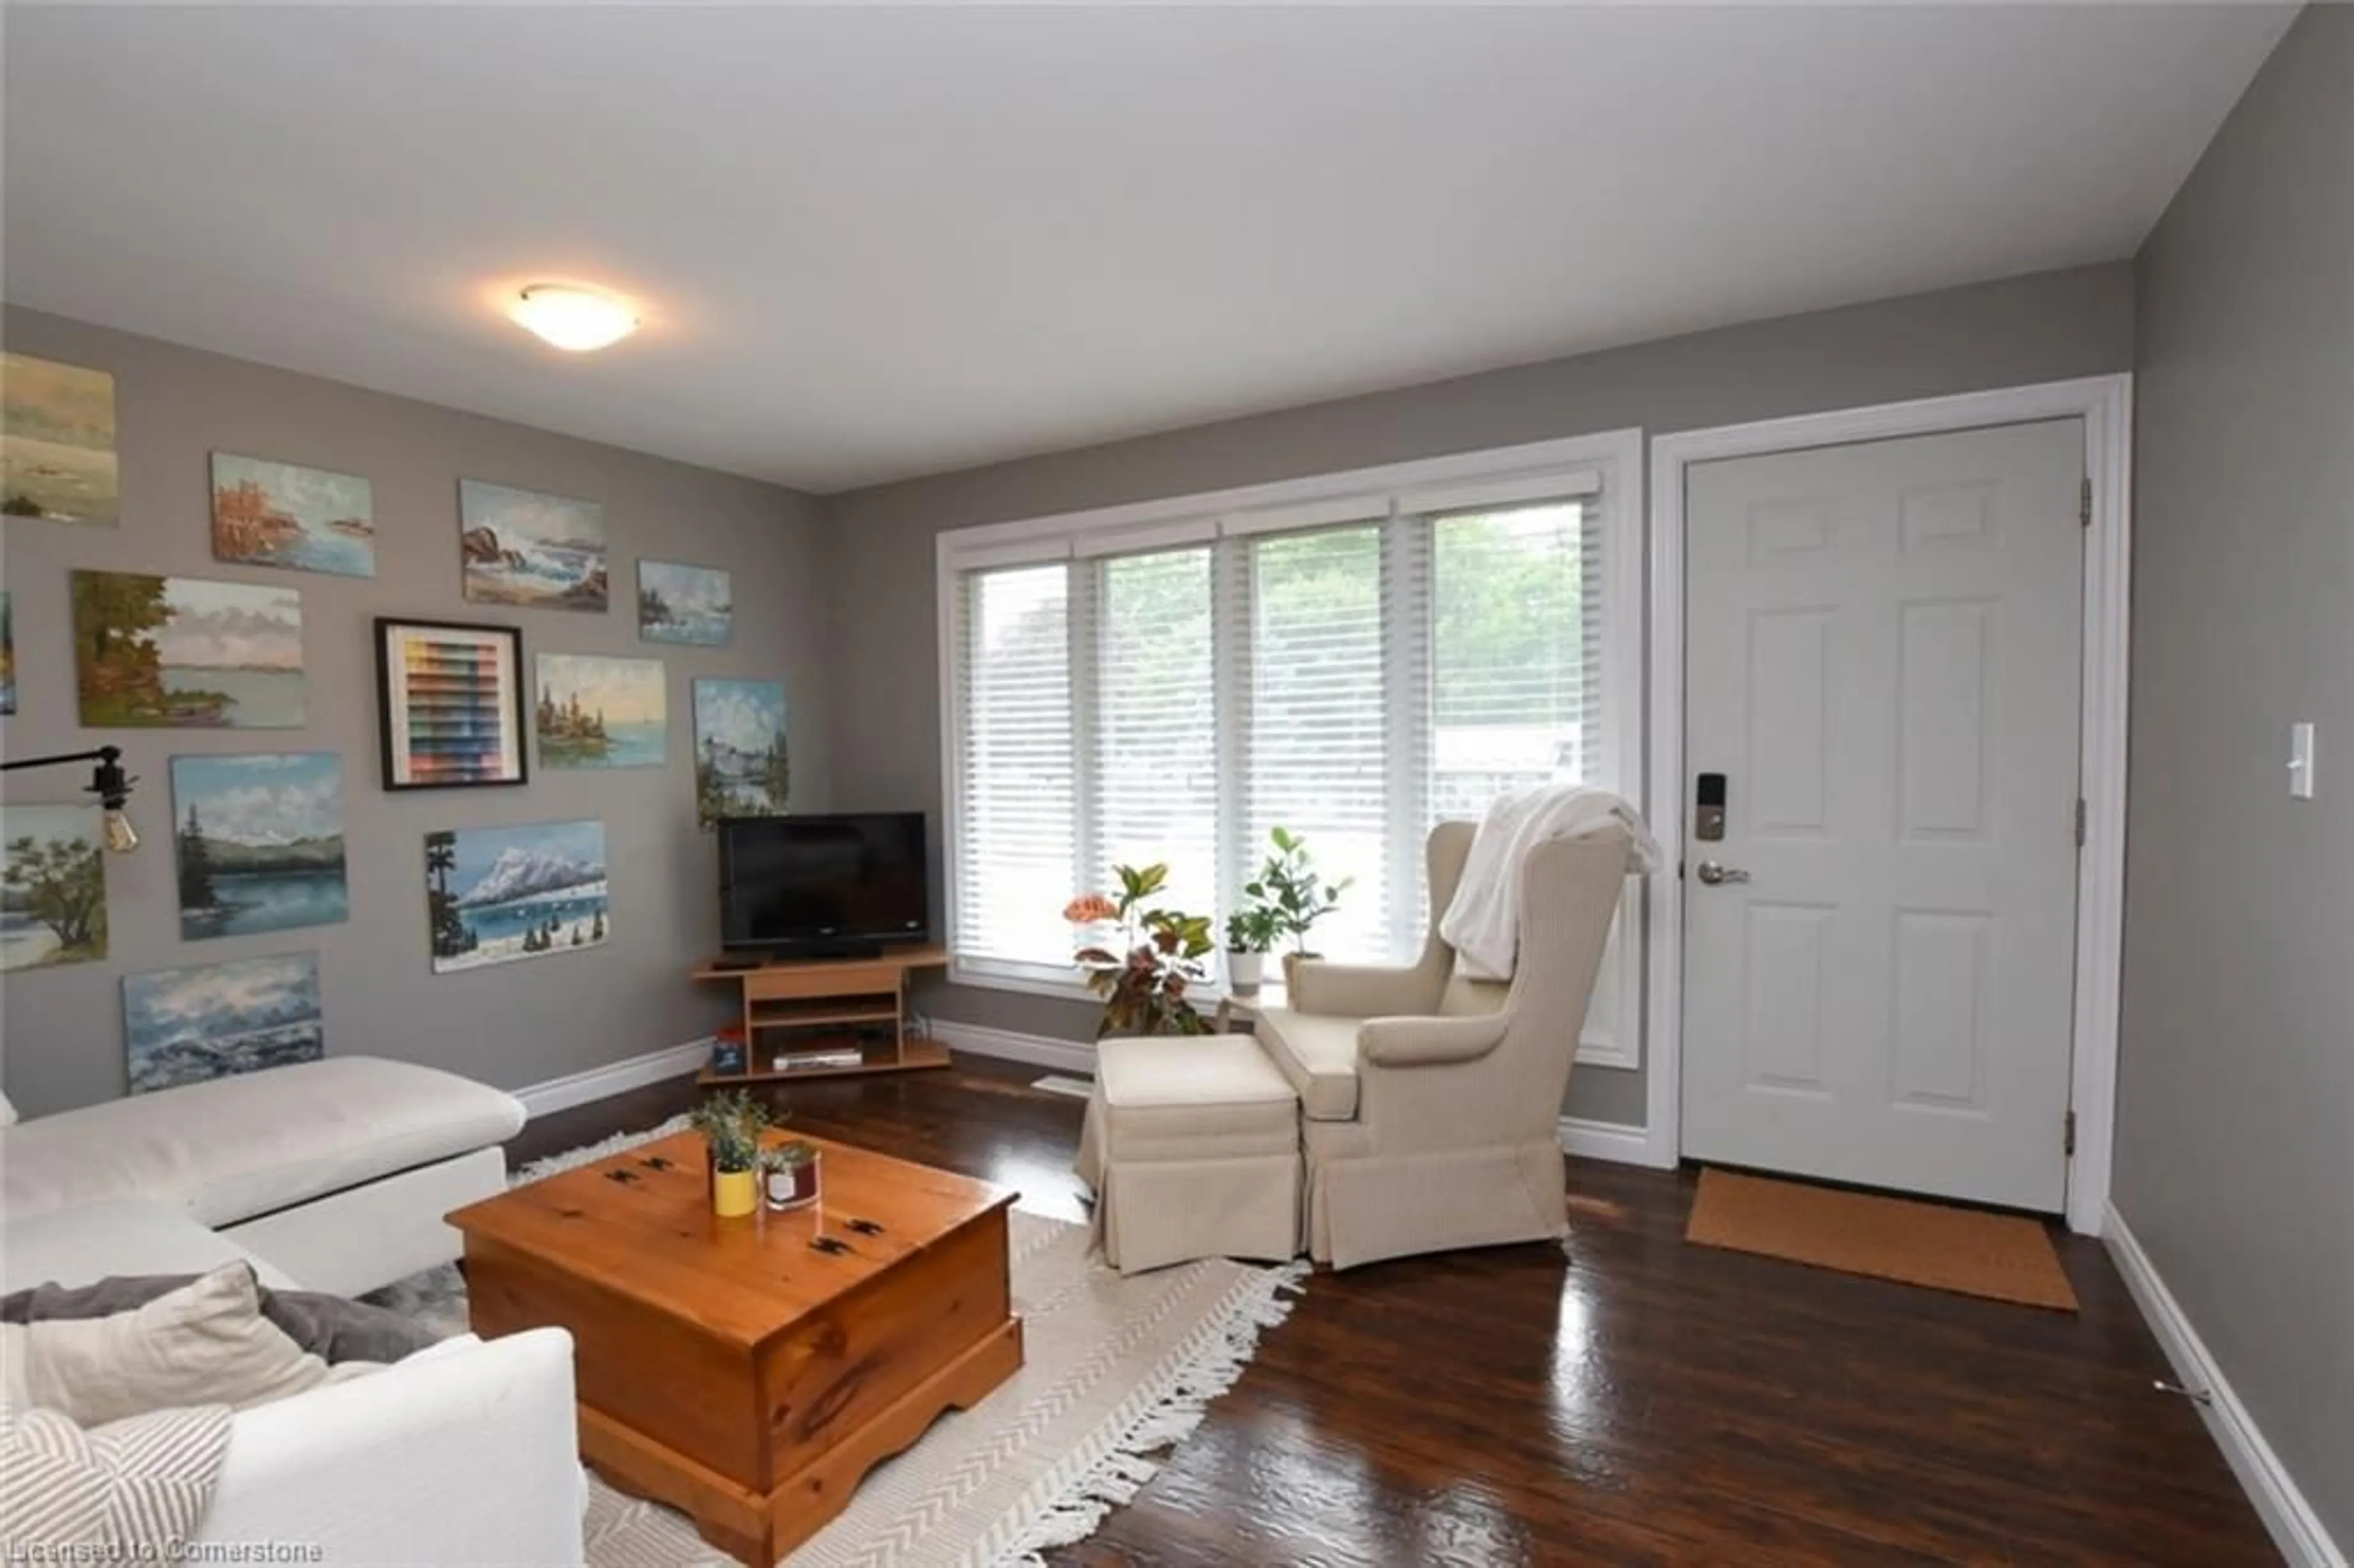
[
  {"x": 1251, "y": 935},
  {"x": 788, "y": 1174},
  {"x": 1290, "y": 884},
  {"x": 1144, "y": 980},
  {"x": 731, "y": 1124}
]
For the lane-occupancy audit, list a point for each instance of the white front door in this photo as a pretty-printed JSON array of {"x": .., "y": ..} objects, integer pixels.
[{"x": 1882, "y": 662}]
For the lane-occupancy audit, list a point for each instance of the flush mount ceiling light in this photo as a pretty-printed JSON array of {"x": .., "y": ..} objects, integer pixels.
[{"x": 573, "y": 318}]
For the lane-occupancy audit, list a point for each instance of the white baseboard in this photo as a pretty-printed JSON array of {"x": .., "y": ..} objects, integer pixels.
[
  {"x": 1608, "y": 1141},
  {"x": 2295, "y": 1528},
  {"x": 1037, "y": 1050},
  {"x": 614, "y": 1078}
]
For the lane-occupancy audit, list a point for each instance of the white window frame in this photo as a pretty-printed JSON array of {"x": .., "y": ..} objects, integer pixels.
[{"x": 1611, "y": 461}]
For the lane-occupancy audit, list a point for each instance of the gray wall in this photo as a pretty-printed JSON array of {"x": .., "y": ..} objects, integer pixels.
[
  {"x": 515, "y": 1024},
  {"x": 2235, "y": 1140},
  {"x": 886, "y": 727}
]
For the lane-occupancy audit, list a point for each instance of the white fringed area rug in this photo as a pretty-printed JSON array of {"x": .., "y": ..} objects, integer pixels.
[{"x": 1115, "y": 1370}]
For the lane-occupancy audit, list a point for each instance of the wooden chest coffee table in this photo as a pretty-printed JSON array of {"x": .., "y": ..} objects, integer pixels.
[{"x": 733, "y": 1368}]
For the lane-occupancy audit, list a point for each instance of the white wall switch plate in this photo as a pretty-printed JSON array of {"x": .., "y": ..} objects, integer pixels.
[{"x": 2300, "y": 762}]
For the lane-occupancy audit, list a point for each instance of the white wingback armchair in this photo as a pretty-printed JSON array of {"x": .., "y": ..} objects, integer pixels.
[{"x": 1430, "y": 1102}]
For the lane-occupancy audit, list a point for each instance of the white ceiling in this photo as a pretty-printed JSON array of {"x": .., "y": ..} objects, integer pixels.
[{"x": 878, "y": 242}]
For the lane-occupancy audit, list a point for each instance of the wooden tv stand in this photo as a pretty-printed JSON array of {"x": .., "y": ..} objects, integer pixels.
[{"x": 808, "y": 1002}]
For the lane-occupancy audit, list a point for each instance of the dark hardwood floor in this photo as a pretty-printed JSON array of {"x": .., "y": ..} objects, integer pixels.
[{"x": 1633, "y": 1401}]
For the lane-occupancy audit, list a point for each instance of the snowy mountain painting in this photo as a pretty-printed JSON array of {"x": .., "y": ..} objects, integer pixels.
[
  {"x": 184, "y": 1026},
  {"x": 493, "y": 894}
]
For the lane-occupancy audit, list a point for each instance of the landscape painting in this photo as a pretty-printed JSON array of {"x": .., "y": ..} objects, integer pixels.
[
  {"x": 281, "y": 514},
  {"x": 187, "y": 652},
  {"x": 7, "y": 657},
  {"x": 185, "y": 1026},
  {"x": 52, "y": 886},
  {"x": 679, "y": 603},
  {"x": 57, "y": 441},
  {"x": 546, "y": 551},
  {"x": 496, "y": 895},
  {"x": 260, "y": 843},
  {"x": 596, "y": 712},
  {"x": 740, "y": 764}
]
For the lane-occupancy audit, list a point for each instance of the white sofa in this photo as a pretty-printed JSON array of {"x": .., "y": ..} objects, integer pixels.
[
  {"x": 329, "y": 1176},
  {"x": 337, "y": 1170}
]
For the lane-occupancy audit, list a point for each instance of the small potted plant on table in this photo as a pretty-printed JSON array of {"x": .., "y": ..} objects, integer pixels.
[
  {"x": 788, "y": 1174},
  {"x": 731, "y": 1124},
  {"x": 1289, "y": 884},
  {"x": 1251, "y": 935}
]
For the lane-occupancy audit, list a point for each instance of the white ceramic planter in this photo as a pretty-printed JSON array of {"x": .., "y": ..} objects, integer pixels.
[{"x": 1244, "y": 971}]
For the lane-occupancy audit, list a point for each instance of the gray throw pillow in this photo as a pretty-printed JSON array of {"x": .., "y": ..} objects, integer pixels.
[{"x": 329, "y": 1327}]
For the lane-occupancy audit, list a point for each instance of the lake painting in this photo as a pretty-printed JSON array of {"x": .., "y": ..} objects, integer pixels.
[
  {"x": 596, "y": 712},
  {"x": 519, "y": 547},
  {"x": 260, "y": 843},
  {"x": 52, "y": 886},
  {"x": 740, "y": 764},
  {"x": 187, "y": 1026},
  {"x": 678, "y": 603},
  {"x": 186, "y": 653},
  {"x": 57, "y": 441},
  {"x": 281, "y": 514},
  {"x": 496, "y": 895}
]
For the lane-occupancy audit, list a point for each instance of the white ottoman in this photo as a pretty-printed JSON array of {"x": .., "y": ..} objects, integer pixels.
[{"x": 1191, "y": 1144}]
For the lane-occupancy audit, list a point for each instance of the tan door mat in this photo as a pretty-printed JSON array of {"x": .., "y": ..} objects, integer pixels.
[{"x": 2005, "y": 1256}]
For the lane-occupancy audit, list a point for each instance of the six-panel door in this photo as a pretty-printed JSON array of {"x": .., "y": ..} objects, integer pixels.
[{"x": 1882, "y": 655}]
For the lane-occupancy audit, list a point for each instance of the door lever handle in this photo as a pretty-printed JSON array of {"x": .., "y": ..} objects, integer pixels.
[{"x": 1711, "y": 874}]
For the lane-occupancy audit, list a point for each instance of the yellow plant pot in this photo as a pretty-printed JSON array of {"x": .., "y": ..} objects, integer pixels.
[{"x": 734, "y": 1194}]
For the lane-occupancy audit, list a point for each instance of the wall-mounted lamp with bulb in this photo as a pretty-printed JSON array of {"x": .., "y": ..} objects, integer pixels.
[{"x": 107, "y": 782}]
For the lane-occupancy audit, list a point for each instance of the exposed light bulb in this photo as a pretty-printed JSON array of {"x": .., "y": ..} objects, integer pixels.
[
  {"x": 112, "y": 787},
  {"x": 122, "y": 838},
  {"x": 574, "y": 319}
]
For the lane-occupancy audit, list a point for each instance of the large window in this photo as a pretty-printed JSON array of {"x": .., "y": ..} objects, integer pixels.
[{"x": 1354, "y": 669}]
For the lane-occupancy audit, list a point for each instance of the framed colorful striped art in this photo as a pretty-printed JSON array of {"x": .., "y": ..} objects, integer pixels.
[{"x": 451, "y": 702}]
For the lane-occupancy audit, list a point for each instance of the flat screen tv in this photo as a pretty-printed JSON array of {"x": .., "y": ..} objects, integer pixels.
[{"x": 822, "y": 886}]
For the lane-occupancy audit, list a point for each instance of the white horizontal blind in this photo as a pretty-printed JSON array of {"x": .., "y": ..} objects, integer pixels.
[
  {"x": 1156, "y": 773},
  {"x": 1516, "y": 654},
  {"x": 1517, "y": 674},
  {"x": 1352, "y": 681},
  {"x": 1316, "y": 749},
  {"x": 1017, "y": 791}
]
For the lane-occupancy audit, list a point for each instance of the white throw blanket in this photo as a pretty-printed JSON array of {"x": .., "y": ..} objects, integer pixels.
[{"x": 1483, "y": 923}]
